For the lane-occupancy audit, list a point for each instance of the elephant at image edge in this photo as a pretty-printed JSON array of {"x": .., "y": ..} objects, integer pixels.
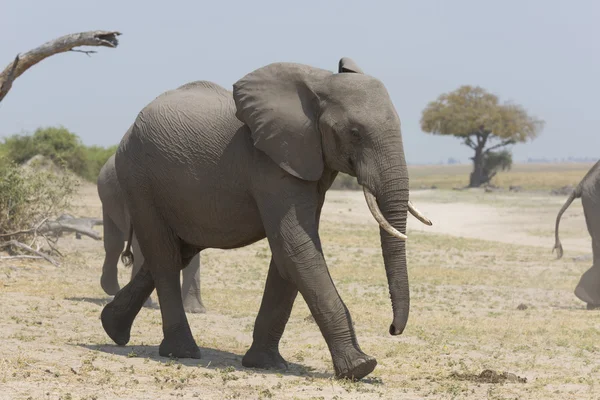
[
  {"x": 203, "y": 167},
  {"x": 116, "y": 225},
  {"x": 588, "y": 288}
]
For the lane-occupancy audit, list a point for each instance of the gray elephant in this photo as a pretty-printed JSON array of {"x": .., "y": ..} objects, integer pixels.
[
  {"x": 116, "y": 225},
  {"x": 203, "y": 167},
  {"x": 588, "y": 288}
]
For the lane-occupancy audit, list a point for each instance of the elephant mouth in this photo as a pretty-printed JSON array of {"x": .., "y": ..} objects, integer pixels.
[{"x": 383, "y": 223}]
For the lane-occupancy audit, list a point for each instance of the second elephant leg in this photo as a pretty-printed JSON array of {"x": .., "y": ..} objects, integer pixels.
[
  {"x": 114, "y": 242},
  {"x": 190, "y": 287},
  {"x": 275, "y": 309},
  {"x": 588, "y": 288}
]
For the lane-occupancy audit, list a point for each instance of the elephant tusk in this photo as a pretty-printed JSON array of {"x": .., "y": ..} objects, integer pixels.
[
  {"x": 418, "y": 214},
  {"x": 374, "y": 208}
]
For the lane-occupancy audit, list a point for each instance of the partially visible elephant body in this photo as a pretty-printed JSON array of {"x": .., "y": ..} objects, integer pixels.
[
  {"x": 116, "y": 223},
  {"x": 588, "y": 288},
  {"x": 204, "y": 167}
]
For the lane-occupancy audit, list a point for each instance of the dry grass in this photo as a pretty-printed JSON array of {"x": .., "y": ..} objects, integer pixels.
[
  {"x": 529, "y": 176},
  {"x": 464, "y": 319}
]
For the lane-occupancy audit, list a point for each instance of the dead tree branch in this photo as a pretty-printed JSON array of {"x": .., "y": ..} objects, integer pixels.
[
  {"x": 22, "y": 246},
  {"x": 60, "y": 45},
  {"x": 65, "y": 223}
]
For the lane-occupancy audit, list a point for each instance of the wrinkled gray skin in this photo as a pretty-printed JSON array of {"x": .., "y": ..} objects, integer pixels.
[
  {"x": 203, "y": 167},
  {"x": 588, "y": 288},
  {"x": 116, "y": 226}
]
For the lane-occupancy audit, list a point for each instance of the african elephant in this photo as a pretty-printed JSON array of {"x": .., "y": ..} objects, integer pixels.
[
  {"x": 116, "y": 222},
  {"x": 588, "y": 288},
  {"x": 203, "y": 167}
]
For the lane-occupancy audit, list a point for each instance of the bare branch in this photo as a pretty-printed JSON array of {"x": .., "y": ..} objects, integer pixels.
[
  {"x": 23, "y": 246},
  {"x": 64, "y": 223},
  {"x": 86, "y": 52},
  {"x": 59, "y": 45},
  {"x": 501, "y": 144},
  {"x": 469, "y": 142},
  {"x": 6, "y": 84}
]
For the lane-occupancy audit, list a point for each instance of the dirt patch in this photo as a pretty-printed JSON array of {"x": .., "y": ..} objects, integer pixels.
[
  {"x": 490, "y": 376},
  {"x": 521, "y": 219}
]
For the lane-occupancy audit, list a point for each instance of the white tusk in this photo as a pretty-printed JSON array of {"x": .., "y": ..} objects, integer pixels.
[
  {"x": 418, "y": 215},
  {"x": 372, "y": 203}
]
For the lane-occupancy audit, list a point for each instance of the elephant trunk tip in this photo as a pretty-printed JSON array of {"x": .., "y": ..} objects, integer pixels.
[
  {"x": 394, "y": 331},
  {"x": 398, "y": 325}
]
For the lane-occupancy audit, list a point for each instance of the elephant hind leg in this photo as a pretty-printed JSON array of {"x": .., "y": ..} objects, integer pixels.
[
  {"x": 114, "y": 242},
  {"x": 163, "y": 256},
  {"x": 118, "y": 315},
  {"x": 138, "y": 261},
  {"x": 588, "y": 288}
]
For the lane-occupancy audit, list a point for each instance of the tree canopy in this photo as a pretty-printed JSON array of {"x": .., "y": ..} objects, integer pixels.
[{"x": 480, "y": 119}]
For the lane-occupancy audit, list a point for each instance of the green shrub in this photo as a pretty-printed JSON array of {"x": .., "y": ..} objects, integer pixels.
[
  {"x": 28, "y": 195},
  {"x": 96, "y": 157},
  {"x": 61, "y": 146}
]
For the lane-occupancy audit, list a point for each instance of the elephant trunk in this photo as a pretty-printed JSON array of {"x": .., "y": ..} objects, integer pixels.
[{"x": 391, "y": 204}]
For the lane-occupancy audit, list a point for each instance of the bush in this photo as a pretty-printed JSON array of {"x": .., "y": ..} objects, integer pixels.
[
  {"x": 28, "y": 195},
  {"x": 61, "y": 146},
  {"x": 96, "y": 157},
  {"x": 494, "y": 162}
]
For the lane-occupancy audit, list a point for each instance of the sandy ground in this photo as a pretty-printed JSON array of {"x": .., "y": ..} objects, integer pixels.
[
  {"x": 485, "y": 255},
  {"x": 523, "y": 219}
]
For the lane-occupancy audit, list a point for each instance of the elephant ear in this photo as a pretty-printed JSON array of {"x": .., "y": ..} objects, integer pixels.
[
  {"x": 348, "y": 65},
  {"x": 280, "y": 107}
]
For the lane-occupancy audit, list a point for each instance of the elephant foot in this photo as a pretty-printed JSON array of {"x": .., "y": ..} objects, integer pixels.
[
  {"x": 109, "y": 283},
  {"x": 193, "y": 305},
  {"x": 116, "y": 323},
  {"x": 354, "y": 367},
  {"x": 593, "y": 306},
  {"x": 179, "y": 343},
  {"x": 583, "y": 295},
  {"x": 264, "y": 359}
]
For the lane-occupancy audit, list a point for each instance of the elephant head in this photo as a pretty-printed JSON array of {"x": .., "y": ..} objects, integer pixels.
[{"x": 307, "y": 119}]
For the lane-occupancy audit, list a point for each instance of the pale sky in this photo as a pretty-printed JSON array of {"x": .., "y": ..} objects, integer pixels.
[{"x": 543, "y": 54}]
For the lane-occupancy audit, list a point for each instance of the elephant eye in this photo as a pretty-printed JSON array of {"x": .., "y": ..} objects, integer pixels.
[{"x": 355, "y": 133}]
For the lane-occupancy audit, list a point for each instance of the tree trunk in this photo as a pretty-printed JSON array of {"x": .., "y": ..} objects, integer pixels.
[{"x": 478, "y": 175}]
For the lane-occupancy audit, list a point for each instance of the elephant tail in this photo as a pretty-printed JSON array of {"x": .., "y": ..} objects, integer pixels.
[
  {"x": 127, "y": 255},
  {"x": 575, "y": 194}
]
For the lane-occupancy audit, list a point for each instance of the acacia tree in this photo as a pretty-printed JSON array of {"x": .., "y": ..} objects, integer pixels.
[{"x": 483, "y": 123}]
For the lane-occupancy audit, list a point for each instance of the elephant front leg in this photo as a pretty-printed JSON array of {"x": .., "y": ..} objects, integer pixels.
[
  {"x": 275, "y": 309},
  {"x": 296, "y": 246},
  {"x": 333, "y": 318},
  {"x": 114, "y": 242}
]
